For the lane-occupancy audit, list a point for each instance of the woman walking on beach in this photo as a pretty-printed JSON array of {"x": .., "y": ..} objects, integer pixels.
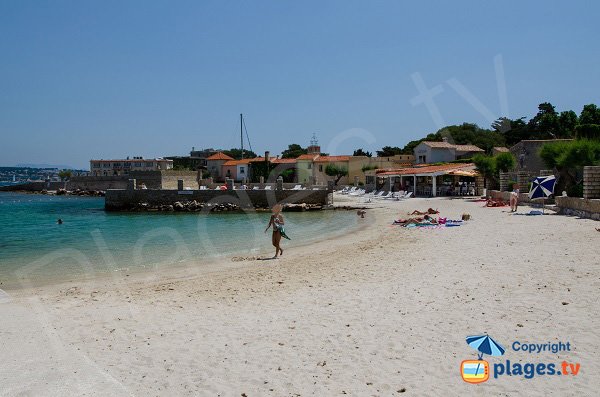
[
  {"x": 278, "y": 231},
  {"x": 514, "y": 198}
]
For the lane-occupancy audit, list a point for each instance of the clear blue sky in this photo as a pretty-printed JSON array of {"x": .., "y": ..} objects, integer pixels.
[{"x": 108, "y": 79}]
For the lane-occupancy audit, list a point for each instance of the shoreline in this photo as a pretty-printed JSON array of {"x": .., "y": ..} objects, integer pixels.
[{"x": 165, "y": 272}]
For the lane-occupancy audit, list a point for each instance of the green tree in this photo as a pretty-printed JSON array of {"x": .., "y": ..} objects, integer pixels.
[
  {"x": 65, "y": 174},
  {"x": 588, "y": 131},
  {"x": 513, "y": 131},
  {"x": 368, "y": 167},
  {"x": 590, "y": 114},
  {"x": 237, "y": 153},
  {"x": 567, "y": 121},
  {"x": 545, "y": 123},
  {"x": 361, "y": 152},
  {"x": 504, "y": 162},
  {"x": 336, "y": 171},
  {"x": 389, "y": 151},
  {"x": 486, "y": 166},
  {"x": 567, "y": 159},
  {"x": 294, "y": 150}
]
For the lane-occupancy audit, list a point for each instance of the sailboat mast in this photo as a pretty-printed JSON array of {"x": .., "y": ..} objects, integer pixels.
[{"x": 242, "y": 133}]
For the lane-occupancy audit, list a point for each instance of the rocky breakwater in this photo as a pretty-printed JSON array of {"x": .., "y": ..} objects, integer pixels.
[
  {"x": 187, "y": 206},
  {"x": 195, "y": 206},
  {"x": 77, "y": 192}
]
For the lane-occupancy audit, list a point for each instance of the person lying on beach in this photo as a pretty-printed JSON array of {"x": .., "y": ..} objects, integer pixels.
[
  {"x": 408, "y": 221},
  {"x": 417, "y": 221},
  {"x": 430, "y": 211},
  {"x": 492, "y": 202}
]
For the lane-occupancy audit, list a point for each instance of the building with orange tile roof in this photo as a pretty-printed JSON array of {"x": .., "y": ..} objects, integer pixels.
[{"x": 215, "y": 163}]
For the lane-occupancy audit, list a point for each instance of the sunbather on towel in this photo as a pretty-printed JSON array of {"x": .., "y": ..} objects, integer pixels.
[
  {"x": 408, "y": 221},
  {"x": 429, "y": 211}
]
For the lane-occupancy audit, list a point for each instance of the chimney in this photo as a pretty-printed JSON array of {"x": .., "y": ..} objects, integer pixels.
[{"x": 267, "y": 156}]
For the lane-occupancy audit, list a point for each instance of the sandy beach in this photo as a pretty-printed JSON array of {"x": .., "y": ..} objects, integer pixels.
[{"x": 378, "y": 312}]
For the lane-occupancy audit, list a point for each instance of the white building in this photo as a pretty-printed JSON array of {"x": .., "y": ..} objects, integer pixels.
[
  {"x": 124, "y": 167},
  {"x": 428, "y": 152}
]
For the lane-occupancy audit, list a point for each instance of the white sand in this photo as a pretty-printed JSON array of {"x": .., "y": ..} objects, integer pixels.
[{"x": 374, "y": 313}]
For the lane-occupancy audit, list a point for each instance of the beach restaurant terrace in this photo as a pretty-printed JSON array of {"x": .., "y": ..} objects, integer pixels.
[{"x": 432, "y": 180}]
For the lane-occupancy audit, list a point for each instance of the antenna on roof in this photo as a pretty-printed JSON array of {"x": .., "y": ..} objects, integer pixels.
[{"x": 314, "y": 141}]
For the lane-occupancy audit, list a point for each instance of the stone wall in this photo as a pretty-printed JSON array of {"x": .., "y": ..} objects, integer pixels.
[
  {"x": 116, "y": 200},
  {"x": 169, "y": 179},
  {"x": 504, "y": 180},
  {"x": 576, "y": 206},
  {"x": 96, "y": 182},
  {"x": 523, "y": 197},
  {"x": 591, "y": 182}
]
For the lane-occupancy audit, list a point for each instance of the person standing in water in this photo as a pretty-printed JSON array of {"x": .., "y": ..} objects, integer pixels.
[{"x": 277, "y": 222}]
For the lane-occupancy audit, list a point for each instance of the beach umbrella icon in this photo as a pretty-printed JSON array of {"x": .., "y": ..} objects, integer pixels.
[
  {"x": 542, "y": 187},
  {"x": 485, "y": 345}
]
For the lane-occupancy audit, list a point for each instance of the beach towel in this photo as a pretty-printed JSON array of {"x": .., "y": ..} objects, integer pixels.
[{"x": 281, "y": 230}]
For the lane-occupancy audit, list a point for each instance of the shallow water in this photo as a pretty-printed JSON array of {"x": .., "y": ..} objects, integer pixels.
[{"x": 33, "y": 247}]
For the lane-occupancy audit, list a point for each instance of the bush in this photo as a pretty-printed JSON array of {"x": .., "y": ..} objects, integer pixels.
[
  {"x": 504, "y": 162},
  {"x": 588, "y": 131},
  {"x": 575, "y": 190}
]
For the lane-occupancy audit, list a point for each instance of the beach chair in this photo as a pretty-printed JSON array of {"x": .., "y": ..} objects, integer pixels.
[
  {"x": 297, "y": 187},
  {"x": 386, "y": 196},
  {"x": 255, "y": 188},
  {"x": 268, "y": 187},
  {"x": 407, "y": 195},
  {"x": 358, "y": 192}
]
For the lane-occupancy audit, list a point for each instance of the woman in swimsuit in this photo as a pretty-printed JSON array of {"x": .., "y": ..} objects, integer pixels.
[{"x": 277, "y": 222}]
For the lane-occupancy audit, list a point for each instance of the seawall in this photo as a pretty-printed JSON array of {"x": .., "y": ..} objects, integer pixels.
[{"x": 123, "y": 200}]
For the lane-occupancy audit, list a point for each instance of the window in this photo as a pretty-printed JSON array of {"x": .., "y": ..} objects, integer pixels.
[
  {"x": 422, "y": 159},
  {"x": 127, "y": 165},
  {"x": 106, "y": 165},
  {"x": 137, "y": 165},
  {"x": 309, "y": 166},
  {"x": 96, "y": 165},
  {"x": 117, "y": 165},
  {"x": 242, "y": 170},
  {"x": 150, "y": 164},
  {"x": 320, "y": 168}
]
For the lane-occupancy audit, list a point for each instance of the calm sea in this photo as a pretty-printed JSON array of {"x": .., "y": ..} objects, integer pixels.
[{"x": 91, "y": 241}]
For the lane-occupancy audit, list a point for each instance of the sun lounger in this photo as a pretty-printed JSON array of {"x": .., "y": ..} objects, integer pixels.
[
  {"x": 386, "y": 196},
  {"x": 268, "y": 187}
]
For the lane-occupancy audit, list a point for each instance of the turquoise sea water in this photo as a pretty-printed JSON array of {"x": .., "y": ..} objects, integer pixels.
[{"x": 91, "y": 241}]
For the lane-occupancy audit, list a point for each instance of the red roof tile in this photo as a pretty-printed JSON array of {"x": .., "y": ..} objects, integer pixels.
[
  {"x": 220, "y": 156},
  {"x": 307, "y": 157},
  {"x": 330, "y": 159},
  {"x": 283, "y": 161}
]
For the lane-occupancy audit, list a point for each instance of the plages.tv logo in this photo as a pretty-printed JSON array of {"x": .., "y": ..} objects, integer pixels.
[{"x": 478, "y": 371}]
